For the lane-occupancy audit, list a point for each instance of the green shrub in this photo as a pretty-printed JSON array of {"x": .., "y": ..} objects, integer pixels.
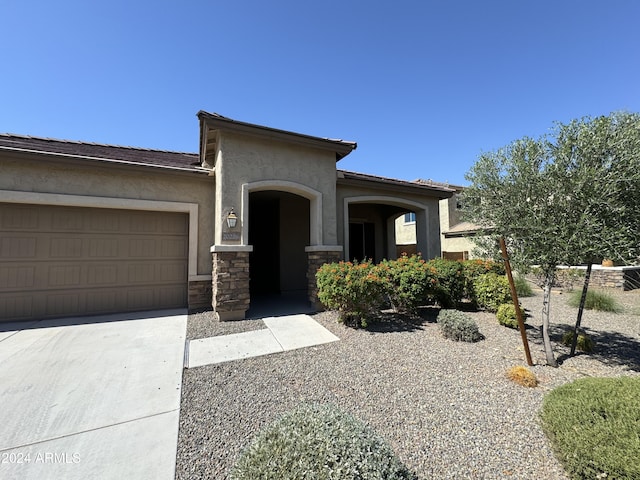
[
  {"x": 594, "y": 427},
  {"x": 450, "y": 277},
  {"x": 585, "y": 343},
  {"x": 596, "y": 300},
  {"x": 353, "y": 289},
  {"x": 318, "y": 442},
  {"x": 491, "y": 291},
  {"x": 473, "y": 269},
  {"x": 507, "y": 315},
  {"x": 458, "y": 326},
  {"x": 406, "y": 282},
  {"x": 523, "y": 287}
]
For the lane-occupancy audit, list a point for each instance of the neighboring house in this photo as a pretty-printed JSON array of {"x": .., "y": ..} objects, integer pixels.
[
  {"x": 92, "y": 229},
  {"x": 455, "y": 236}
]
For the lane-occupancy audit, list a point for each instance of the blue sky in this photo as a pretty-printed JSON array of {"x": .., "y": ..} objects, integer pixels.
[{"x": 424, "y": 87}]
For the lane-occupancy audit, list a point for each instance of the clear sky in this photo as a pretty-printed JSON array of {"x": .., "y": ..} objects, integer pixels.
[{"x": 424, "y": 87}]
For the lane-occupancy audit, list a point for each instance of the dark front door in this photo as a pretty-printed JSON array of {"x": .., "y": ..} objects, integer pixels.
[
  {"x": 264, "y": 228},
  {"x": 362, "y": 241}
]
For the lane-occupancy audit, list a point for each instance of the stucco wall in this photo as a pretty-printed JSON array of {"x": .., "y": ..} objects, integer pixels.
[
  {"x": 405, "y": 232},
  {"x": 84, "y": 177},
  {"x": 244, "y": 159}
]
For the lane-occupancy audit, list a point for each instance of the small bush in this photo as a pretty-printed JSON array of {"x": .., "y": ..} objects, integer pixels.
[
  {"x": 593, "y": 425},
  {"x": 522, "y": 376},
  {"x": 585, "y": 343},
  {"x": 458, "y": 326},
  {"x": 507, "y": 315},
  {"x": 450, "y": 277},
  {"x": 353, "y": 289},
  {"x": 319, "y": 442},
  {"x": 473, "y": 269},
  {"x": 491, "y": 291},
  {"x": 596, "y": 300},
  {"x": 406, "y": 282},
  {"x": 523, "y": 288}
]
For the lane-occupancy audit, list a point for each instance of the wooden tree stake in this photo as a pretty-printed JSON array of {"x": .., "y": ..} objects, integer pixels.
[{"x": 516, "y": 304}]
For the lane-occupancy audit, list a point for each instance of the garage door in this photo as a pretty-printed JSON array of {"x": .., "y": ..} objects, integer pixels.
[{"x": 63, "y": 261}]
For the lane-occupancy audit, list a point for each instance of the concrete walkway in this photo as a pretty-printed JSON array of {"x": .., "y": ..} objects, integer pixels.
[
  {"x": 99, "y": 397},
  {"x": 282, "y": 333},
  {"x": 95, "y": 397}
]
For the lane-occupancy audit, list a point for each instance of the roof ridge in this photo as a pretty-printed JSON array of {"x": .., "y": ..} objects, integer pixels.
[{"x": 81, "y": 142}]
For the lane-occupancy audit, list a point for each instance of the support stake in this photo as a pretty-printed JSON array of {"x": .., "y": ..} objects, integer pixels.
[{"x": 516, "y": 304}]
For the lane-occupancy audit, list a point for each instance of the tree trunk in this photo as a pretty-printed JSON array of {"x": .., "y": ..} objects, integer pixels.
[
  {"x": 583, "y": 299},
  {"x": 546, "y": 302}
]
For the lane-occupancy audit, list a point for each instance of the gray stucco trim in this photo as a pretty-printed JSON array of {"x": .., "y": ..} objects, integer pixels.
[
  {"x": 11, "y": 196},
  {"x": 231, "y": 248}
]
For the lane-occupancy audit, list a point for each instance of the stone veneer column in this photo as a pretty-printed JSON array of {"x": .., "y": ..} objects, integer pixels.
[
  {"x": 318, "y": 255},
  {"x": 230, "y": 296}
]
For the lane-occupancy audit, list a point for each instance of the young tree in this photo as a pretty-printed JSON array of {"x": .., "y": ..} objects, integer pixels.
[{"x": 566, "y": 198}]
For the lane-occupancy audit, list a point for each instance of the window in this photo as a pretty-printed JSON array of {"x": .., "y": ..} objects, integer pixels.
[{"x": 410, "y": 217}]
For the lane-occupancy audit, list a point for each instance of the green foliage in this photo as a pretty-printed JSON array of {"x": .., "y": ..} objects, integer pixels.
[
  {"x": 474, "y": 268},
  {"x": 596, "y": 300},
  {"x": 523, "y": 288},
  {"x": 585, "y": 343},
  {"x": 566, "y": 197},
  {"x": 319, "y": 442},
  {"x": 353, "y": 289},
  {"x": 594, "y": 426},
  {"x": 458, "y": 326},
  {"x": 506, "y": 315},
  {"x": 407, "y": 281},
  {"x": 491, "y": 291},
  {"x": 450, "y": 277},
  {"x": 563, "y": 199}
]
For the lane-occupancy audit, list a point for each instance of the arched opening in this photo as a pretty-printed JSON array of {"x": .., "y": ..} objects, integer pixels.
[
  {"x": 279, "y": 231},
  {"x": 371, "y": 227}
]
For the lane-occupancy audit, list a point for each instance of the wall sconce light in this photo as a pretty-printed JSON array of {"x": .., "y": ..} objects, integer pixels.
[{"x": 232, "y": 220}]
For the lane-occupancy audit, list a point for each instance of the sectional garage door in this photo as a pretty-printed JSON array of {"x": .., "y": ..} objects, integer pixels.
[{"x": 64, "y": 261}]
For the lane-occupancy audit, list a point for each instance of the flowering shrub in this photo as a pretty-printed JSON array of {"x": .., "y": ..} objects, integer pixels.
[
  {"x": 450, "y": 277},
  {"x": 406, "y": 281},
  {"x": 353, "y": 289}
]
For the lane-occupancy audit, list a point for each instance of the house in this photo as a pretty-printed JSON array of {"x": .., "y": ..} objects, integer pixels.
[
  {"x": 455, "y": 235},
  {"x": 91, "y": 229}
]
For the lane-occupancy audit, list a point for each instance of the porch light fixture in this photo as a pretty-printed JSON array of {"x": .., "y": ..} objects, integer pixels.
[{"x": 232, "y": 220}]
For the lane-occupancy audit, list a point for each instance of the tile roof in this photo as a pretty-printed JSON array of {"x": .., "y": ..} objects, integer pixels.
[
  {"x": 440, "y": 189},
  {"x": 96, "y": 151}
]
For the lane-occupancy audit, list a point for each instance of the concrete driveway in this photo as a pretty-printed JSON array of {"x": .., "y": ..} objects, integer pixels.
[{"x": 95, "y": 397}]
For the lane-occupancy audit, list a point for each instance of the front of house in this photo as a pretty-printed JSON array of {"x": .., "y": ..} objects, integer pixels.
[{"x": 90, "y": 229}]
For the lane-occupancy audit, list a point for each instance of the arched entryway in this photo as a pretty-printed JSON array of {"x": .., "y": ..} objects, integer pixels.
[
  {"x": 370, "y": 226},
  {"x": 279, "y": 233}
]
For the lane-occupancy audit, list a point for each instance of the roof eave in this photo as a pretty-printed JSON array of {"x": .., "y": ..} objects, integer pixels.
[{"x": 214, "y": 121}]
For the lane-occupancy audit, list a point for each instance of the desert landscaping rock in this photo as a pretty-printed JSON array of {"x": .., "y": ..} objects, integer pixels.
[{"x": 446, "y": 408}]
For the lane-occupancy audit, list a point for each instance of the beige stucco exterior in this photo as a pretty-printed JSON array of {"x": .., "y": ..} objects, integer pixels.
[
  {"x": 294, "y": 208},
  {"x": 26, "y": 178},
  {"x": 247, "y": 164}
]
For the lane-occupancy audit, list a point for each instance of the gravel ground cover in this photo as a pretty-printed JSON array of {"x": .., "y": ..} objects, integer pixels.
[{"x": 446, "y": 408}]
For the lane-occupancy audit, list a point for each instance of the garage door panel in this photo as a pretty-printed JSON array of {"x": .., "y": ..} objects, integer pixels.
[
  {"x": 17, "y": 277},
  {"x": 59, "y": 261},
  {"x": 19, "y": 218},
  {"x": 18, "y": 247}
]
